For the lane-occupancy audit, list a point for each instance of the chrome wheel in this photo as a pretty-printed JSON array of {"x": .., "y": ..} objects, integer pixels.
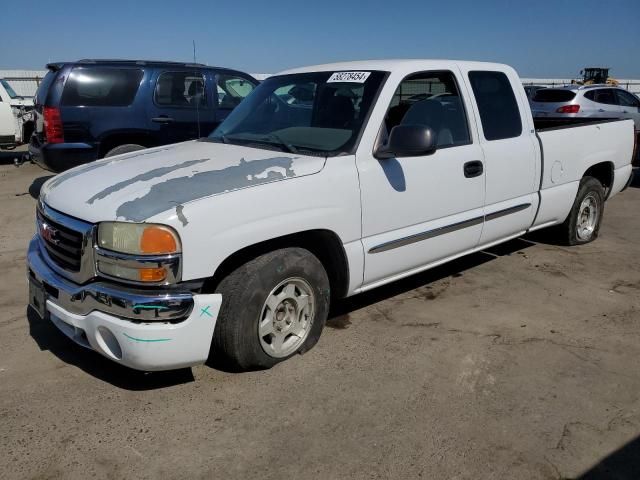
[
  {"x": 587, "y": 220},
  {"x": 286, "y": 317}
]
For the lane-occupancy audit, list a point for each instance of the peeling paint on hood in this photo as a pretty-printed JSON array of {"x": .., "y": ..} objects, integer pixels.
[{"x": 139, "y": 185}]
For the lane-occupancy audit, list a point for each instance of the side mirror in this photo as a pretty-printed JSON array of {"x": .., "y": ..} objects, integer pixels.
[{"x": 408, "y": 141}]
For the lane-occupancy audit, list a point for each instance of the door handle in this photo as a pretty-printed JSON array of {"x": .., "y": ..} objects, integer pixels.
[
  {"x": 162, "y": 119},
  {"x": 473, "y": 169},
  {"x": 601, "y": 110}
]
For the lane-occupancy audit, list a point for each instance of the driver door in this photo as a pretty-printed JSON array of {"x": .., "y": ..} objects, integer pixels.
[{"x": 421, "y": 210}]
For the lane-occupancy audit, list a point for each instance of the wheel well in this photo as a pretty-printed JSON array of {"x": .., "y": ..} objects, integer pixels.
[
  {"x": 117, "y": 139},
  {"x": 324, "y": 244},
  {"x": 603, "y": 172}
]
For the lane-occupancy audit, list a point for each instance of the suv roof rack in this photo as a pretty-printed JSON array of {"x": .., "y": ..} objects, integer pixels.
[
  {"x": 596, "y": 85},
  {"x": 139, "y": 62}
]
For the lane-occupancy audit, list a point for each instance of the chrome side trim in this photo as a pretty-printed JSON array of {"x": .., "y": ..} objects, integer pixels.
[
  {"x": 418, "y": 237},
  {"x": 124, "y": 302},
  {"x": 401, "y": 242},
  {"x": 507, "y": 211}
]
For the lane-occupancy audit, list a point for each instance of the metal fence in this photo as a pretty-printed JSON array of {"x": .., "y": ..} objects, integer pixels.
[{"x": 23, "y": 82}]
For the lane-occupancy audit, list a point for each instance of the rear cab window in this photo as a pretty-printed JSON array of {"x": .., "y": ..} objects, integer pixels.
[
  {"x": 497, "y": 105},
  {"x": 549, "y": 95},
  {"x": 101, "y": 87}
]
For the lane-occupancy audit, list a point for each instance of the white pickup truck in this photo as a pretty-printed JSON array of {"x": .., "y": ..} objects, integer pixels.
[{"x": 325, "y": 182}]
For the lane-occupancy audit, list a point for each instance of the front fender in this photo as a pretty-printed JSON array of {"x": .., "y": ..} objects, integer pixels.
[{"x": 214, "y": 228}]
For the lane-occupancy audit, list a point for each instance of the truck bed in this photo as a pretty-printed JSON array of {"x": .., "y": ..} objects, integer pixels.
[
  {"x": 542, "y": 124},
  {"x": 569, "y": 148}
]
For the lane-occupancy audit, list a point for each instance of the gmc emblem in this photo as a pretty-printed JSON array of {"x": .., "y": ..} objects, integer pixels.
[{"x": 49, "y": 233}]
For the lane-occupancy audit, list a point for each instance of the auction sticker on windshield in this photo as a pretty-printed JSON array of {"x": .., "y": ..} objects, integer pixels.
[{"x": 351, "y": 77}]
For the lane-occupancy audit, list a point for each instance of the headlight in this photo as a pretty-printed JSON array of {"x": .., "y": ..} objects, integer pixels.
[
  {"x": 138, "y": 238},
  {"x": 140, "y": 252}
]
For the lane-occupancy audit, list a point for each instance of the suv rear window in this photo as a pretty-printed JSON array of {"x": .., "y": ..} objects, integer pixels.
[
  {"x": 101, "y": 87},
  {"x": 41, "y": 93},
  {"x": 553, "y": 96}
]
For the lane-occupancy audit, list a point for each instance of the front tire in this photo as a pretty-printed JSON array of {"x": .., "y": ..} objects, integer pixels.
[
  {"x": 273, "y": 307},
  {"x": 583, "y": 223}
]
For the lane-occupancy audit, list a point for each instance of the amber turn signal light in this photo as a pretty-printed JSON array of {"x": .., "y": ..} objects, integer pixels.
[
  {"x": 157, "y": 240},
  {"x": 152, "y": 274}
]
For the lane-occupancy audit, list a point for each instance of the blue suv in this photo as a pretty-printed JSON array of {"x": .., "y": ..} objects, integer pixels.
[{"x": 92, "y": 109}]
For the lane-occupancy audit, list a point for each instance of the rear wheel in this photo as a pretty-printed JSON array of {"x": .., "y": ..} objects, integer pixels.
[
  {"x": 583, "y": 223},
  {"x": 126, "y": 148},
  {"x": 273, "y": 307}
]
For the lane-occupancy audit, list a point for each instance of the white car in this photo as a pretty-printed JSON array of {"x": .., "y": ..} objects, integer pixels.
[
  {"x": 235, "y": 245},
  {"x": 588, "y": 101}
]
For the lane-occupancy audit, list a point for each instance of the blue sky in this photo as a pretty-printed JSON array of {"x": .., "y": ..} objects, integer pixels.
[{"x": 540, "y": 38}]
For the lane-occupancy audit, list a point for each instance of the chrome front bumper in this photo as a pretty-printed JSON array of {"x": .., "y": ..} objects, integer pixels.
[
  {"x": 131, "y": 303},
  {"x": 146, "y": 330}
]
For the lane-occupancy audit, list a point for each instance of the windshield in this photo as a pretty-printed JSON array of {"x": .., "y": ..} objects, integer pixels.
[
  {"x": 8, "y": 88},
  {"x": 319, "y": 112}
]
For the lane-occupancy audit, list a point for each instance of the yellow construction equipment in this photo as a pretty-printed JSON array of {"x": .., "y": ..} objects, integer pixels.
[{"x": 596, "y": 75}]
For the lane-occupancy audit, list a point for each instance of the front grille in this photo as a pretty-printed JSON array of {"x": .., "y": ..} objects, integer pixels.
[{"x": 63, "y": 244}]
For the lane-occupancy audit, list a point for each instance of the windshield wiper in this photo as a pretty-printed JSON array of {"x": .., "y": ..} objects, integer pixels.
[
  {"x": 287, "y": 146},
  {"x": 218, "y": 139},
  {"x": 279, "y": 143}
]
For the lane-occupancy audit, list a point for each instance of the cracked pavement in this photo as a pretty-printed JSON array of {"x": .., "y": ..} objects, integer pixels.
[{"x": 520, "y": 362}]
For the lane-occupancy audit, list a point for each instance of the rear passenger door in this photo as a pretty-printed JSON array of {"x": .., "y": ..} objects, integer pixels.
[
  {"x": 511, "y": 156},
  {"x": 180, "y": 109}
]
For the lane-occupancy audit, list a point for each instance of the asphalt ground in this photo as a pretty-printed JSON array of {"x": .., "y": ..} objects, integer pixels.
[{"x": 517, "y": 362}]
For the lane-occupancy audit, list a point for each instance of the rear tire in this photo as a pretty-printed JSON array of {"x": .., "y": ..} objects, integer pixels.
[
  {"x": 583, "y": 223},
  {"x": 273, "y": 307},
  {"x": 126, "y": 148}
]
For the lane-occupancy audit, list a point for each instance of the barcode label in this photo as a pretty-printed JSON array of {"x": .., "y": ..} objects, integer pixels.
[{"x": 351, "y": 77}]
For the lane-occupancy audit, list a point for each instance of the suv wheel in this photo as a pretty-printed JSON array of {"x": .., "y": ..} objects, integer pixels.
[{"x": 126, "y": 148}]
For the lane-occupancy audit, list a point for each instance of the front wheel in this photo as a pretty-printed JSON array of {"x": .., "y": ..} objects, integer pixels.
[
  {"x": 583, "y": 223},
  {"x": 273, "y": 307}
]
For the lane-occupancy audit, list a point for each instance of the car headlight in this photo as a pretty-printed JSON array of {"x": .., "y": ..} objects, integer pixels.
[
  {"x": 139, "y": 252},
  {"x": 138, "y": 238}
]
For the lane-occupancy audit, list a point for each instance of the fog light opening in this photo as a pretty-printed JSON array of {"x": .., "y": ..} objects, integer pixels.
[{"x": 108, "y": 342}]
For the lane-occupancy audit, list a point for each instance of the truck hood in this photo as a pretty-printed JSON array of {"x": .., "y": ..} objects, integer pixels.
[{"x": 140, "y": 185}]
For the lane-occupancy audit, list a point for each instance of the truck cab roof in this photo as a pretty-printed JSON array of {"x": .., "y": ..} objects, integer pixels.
[{"x": 390, "y": 65}]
